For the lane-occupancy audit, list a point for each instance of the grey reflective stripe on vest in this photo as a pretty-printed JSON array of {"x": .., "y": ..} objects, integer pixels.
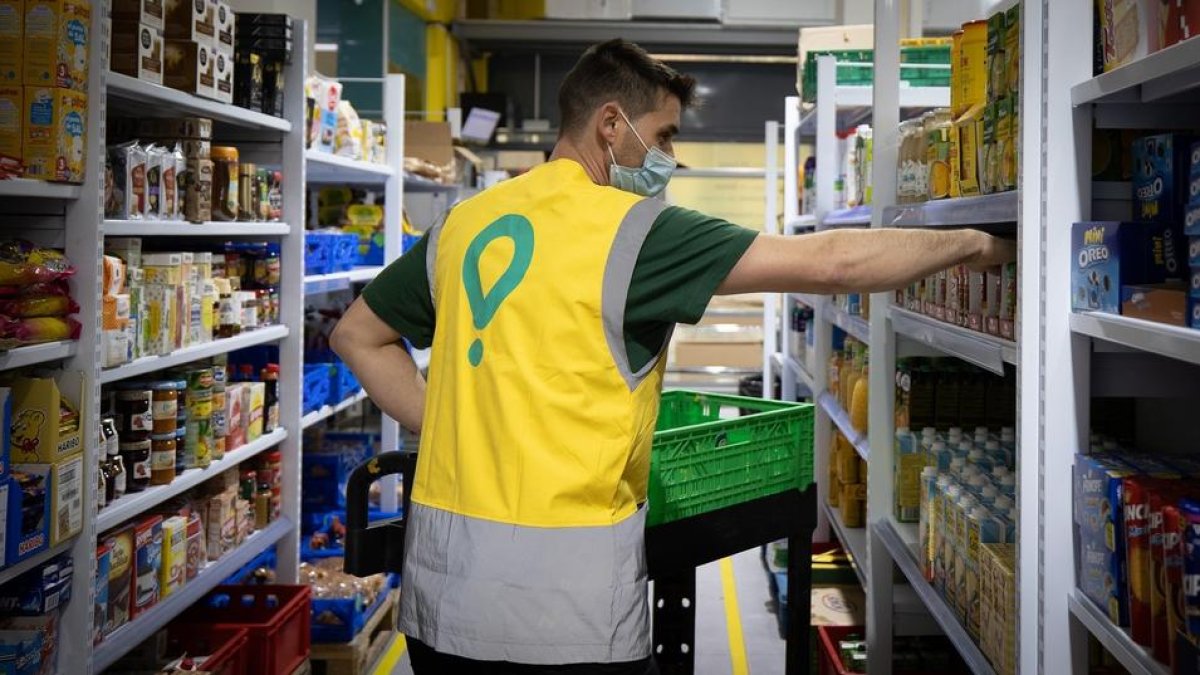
[
  {"x": 431, "y": 251},
  {"x": 618, "y": 274},
  {"x": 496, "y": 592}
]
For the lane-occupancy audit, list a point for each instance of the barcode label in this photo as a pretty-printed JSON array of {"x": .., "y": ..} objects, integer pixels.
[{"x": 69, "y": 508}]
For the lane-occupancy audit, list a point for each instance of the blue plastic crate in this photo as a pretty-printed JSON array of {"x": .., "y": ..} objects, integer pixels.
[
  {"x": 370, "y": 249},
  {"x": 267, "y": 559},
  {"x": 316, "y": 386},
  {"x": 343, "y": 384},
  {"x": 326, "y": 469},
  {"x": 318, "y": 253},
  {"x": 344, "y": 251},
  {"x": 340, "y": 619}
]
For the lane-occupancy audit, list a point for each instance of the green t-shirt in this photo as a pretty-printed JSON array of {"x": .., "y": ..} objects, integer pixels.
[{"x": 684, "y": 258}]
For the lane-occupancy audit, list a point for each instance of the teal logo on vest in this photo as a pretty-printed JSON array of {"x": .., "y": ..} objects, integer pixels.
[{"x": 485, "y": 305}]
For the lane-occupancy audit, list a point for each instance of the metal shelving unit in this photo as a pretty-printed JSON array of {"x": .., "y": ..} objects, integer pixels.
[
  {"x": 38, "y": 189},
  {"x": 993, "y": 209},
  {"x": 339, "y": 281},
  {"x": 13, "y": 571},
  {"x": 1175, "y": 342},
  {"x": 179, "y": 228},
  {"x": 986, "y": 351},
  {"x": 151, "y": 100},
  {"x": 841, "y": 419},
  {"x": 179, "y": 357},
  {"x": 326, "y": 168},
  {"x": 1136, "y": 658},
  {"x": 854, "y": 324},
  {"x": 854, "y": 539},
  {"x": 37, "y": 354},
  {"x": 327, "y": 411}
]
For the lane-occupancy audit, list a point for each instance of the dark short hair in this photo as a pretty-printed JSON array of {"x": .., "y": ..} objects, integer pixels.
[{"x": 622, "y": 71}]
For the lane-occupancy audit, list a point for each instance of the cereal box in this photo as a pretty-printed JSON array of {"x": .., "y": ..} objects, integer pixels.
[
  {"x": 1136, "y": 493},
  {"x": 55, "y": 134},
  {"x": 173, "y": 572},
  {"x": 1099, "y": 519},
  {"x": 1165, "y": 540},
  {"x": 120, "y": 577},
  {"x": 1108, "y": 255},
  {"x": 56, "y": 43},
  {"x": 12, "y": 42},
  {"x": 147, "y": 564},
  {"x": 1161, "y": 166},
  {"x": 100, "y": 592},
  {"x": 12, "y": 115},
  {"x": 1190, "y": 516}
]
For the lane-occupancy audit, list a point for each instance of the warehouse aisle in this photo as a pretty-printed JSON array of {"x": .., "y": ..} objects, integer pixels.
[{"x": 755, "y": 636}]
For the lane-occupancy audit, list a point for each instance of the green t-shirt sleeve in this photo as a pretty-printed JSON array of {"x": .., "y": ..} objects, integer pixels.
[
  {"x": 684, "y": 259},
  {"x": 400, "y": 296}
]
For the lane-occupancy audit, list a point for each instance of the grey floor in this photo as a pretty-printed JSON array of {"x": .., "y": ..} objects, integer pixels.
[{"x": 764, "y": 649}]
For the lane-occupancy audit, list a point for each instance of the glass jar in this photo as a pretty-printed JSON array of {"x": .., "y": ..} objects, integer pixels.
[
  {"x": 225, "y": 182},
  {"x": 181, "y": 449},
  {"x": 262, "y": 189},
  {"x": 162, "y": 459},
  {"x": 165, "y": 407},
  {"x": 135, "y": 452},
  {"x": 133, "y": 409},
  {"x": 247, "y": 192}
]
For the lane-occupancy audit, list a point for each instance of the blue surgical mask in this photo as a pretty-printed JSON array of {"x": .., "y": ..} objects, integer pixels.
[{"x": 647, "y": 180}]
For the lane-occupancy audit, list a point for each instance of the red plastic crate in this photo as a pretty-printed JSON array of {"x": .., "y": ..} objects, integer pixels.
[
  {"x": 829, "y": 660},
  {"x": 225, "y": 647},
  {"x": 276, "y": 619}
]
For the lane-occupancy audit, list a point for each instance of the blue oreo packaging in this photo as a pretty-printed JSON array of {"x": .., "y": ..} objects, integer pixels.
[
  {"x": 1162, "y": 168},
  {"x": 1107, "y": 255}
]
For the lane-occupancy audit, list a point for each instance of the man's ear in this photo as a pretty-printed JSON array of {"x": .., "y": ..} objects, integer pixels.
[{"x": 607, "y": 118}]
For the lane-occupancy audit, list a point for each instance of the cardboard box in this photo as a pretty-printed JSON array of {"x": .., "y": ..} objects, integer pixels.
[
  {"x": 196, "y": 553},
  {"x": 147, "y": 564},
  {"x": 235, "y": 436},
  {"x": 120, "y": 577},
  {"x": 1161, "y": 169},
  {"x": 148, "y": 12},
  {"x": 225, "y": 27},
  {"x": 429, "y": 141},
  {"x": 173, "y": 572},
  {"x": 38, "y": 591},
  {"x": 56, "y": 43},
  {"x": 969, "y": 131},
  {"x": 55, "y": 134},
  {"x": 196, "y": 188},
  {"x": 1163, "y": 303},
  {"x": 28, "y": 525},
  {"x": 12, "y": 42},
  {"x": 1099, "y": 520},
  {"x": 62, "y": 485},
  {"x": 1128, "y": 30},
  {"x": 35, "y": 436},
  {"x": 189, "y": 66},
  {"x": 193, "y": 20},
  {"x": 137, "y": 51},
  {"x": 253, "y": 401},
  {"x": 223, "y": 75},
  {"x": 691, "y": 354},
  {"x": 1136, "y": 496},
  {"x": 221, "y": 524},
  {"x": 100, "y": 592},
  {"x": 1109, "y": 255},
  {"x": 12, "y": 115},
  {"x": 327, "y": 94}
]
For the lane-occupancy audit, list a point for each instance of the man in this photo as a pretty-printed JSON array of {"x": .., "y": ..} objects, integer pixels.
[{"x": 549, "y": 300}]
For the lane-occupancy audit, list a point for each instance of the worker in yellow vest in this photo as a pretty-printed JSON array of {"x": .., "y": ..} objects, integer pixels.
[{"x": 548, "y": 301}]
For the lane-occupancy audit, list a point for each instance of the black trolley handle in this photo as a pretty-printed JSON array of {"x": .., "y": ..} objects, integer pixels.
[{"x": 372, "y": 548}]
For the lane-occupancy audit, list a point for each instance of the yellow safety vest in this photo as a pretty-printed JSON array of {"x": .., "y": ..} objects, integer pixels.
[{"x": 526, "y": 531}]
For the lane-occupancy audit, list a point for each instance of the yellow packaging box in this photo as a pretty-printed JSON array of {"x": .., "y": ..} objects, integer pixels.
[
  {"x": 12, "y": 41},
  {"x": 970, "y": 149},
  {"x": 45, "y": 425},
  {"x": 56, "y": 43},
  {"x": 12, "y": 111},
  {"x": 255, "y": 394},
  {"x": 171, "y": 574},
  {"x": 64, "y": 483},
  {"x": 54, "y": 134}
]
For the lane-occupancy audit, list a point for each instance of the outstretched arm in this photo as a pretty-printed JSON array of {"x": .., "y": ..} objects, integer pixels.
[
  {"x": 859, "y": 261},
  {"x": 374, "y": 352}
]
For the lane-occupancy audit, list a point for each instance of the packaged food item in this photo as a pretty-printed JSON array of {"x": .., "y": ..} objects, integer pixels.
[
  {"x": 222, "y": 524},
  {"x": 120, "y": 545},
  {"x": 225, "y": 189},
  {"x": 154, "y": 165},
  {"x": 937, "y": 134},
  {"x": 1160, "y": 190},
  {"x": 55, "y": 134},
  {"x": 973, "y": 74},
  {"x": 12, "y": 44},
  {"x": 248, "y": 81},
  {"x": 100, "y": 591},
  {"x": 326, "y": 94},
  {"x": 968, "y": 136},
  {"x": 197, "y": 187},
  {"x": 56, "y": 43},
  {"x": 12, "y": 111},
  {"x": 173, "y": 569},
  {"x": 147, "y": 12},
  {"x": 147, "y": 564},
  {"x": 1128, "y": 30},
  {"x": 38, "y": 306},
  {"x": 45, "y": 425},
  {"x": 1098, "y": 511},
  {"x": 225, "y": 27},
  {"x": 1189, "y": 510},
  {"x": 189, "y": 66},
  {"x": 196, "y": 552},
  {"x": 223, "y": 69},
  {"x": 185, "y": 128},
  {"x": 1109, "y": 255},
  {"x": 193, "y": 20},
  {"x": 136, "y": 50},
  {"x": 129, "y": 193},
  {"x": 136, "y": 453},
  {"x": 348, "y": 139}
]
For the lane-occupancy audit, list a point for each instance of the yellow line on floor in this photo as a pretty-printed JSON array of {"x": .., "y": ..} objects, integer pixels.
[
  {"x": 387, "y": 663},
  {"x": 733, "y": 620}
]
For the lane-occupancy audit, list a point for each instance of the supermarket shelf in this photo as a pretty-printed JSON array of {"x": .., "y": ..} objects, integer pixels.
[
  {"x": 798, "y": 371},
  {"x": 681, "y": 33},
  {"x": 339, "y": 281},
  {"x": 136, "y": 503},
  {"x": 809, "y": 299},
  {"x": 1163, "y": 73},
  {"x": 418, "y": 184},
  {"x": 854, "y": 540},
  {"x": 851, "y": 323},
  {"x": 841, "y": 419},
  {"x": 1175, "y": 342},
  {"x": 986, "y": 351},
  {"x": 324, "y": 167},
  {"x": 720, "y": 172},
  {"x": 158, "y": 101},
  {"x": 327, "y": 411},
  {"x": 900, "y": 546},
  {"x": 179, "y": 228},
  {"x": 1136, "y": 658},
  {"x": 858, "y": 216},
  {"x": 34, "y": 354},
  {"x": 800, "y": 223},
  {"x": 1001, "y": 207},
  {"x": 27, "y": 188},
  {"x": 13, "y": 571},
  {"x": 854, "y": 105},
  {"x": 136, "y": 631},
  {"x": 149, "y": 364}
]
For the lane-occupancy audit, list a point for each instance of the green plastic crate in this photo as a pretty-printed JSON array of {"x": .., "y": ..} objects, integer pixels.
[{"x": 703, "y": 459}]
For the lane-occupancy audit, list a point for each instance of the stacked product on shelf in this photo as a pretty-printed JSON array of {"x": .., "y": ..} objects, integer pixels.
[
  {"x": 854, "y": 304},
  {"x": 1137, "y": 522},
  {"x": 335, "y": 127},
  {"x": 856, "y": 66},
  {"x": 971, "y": 148},
  {"x": 800, "y": 338},
  {"x": 33, "y": 605},
  {"x": 981, "y": 301},
  {"x": 35, "y": 298},
  {"x": 1127, "y": 31},
  {"x": 158, "y": 553},
  {"x": 960, "y": 488},
  {"x": 45, "y": 82},
  {"x": 262, "y": 50},
  {"x": 170, "y": 170},
  {"x": 1147, "y": 268},
  {"x": 345, "y": 210},
  {"x": 158, "y": 302},
  {"x": 847, "y": 471}
]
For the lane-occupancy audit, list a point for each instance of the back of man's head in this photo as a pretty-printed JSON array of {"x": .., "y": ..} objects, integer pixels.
[{"x": 620, "y": 71}]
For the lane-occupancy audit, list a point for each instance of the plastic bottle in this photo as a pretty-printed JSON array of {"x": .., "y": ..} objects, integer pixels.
[
  {"x": 1003, "y": 503},
  {"x": 955, "y": 435},
  {"x": 981, "y": 435},
  {"x": 929, "y": 494}
]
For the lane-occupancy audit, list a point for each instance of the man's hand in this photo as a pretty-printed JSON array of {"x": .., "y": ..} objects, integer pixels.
[{"x": 994, "y": 252}]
